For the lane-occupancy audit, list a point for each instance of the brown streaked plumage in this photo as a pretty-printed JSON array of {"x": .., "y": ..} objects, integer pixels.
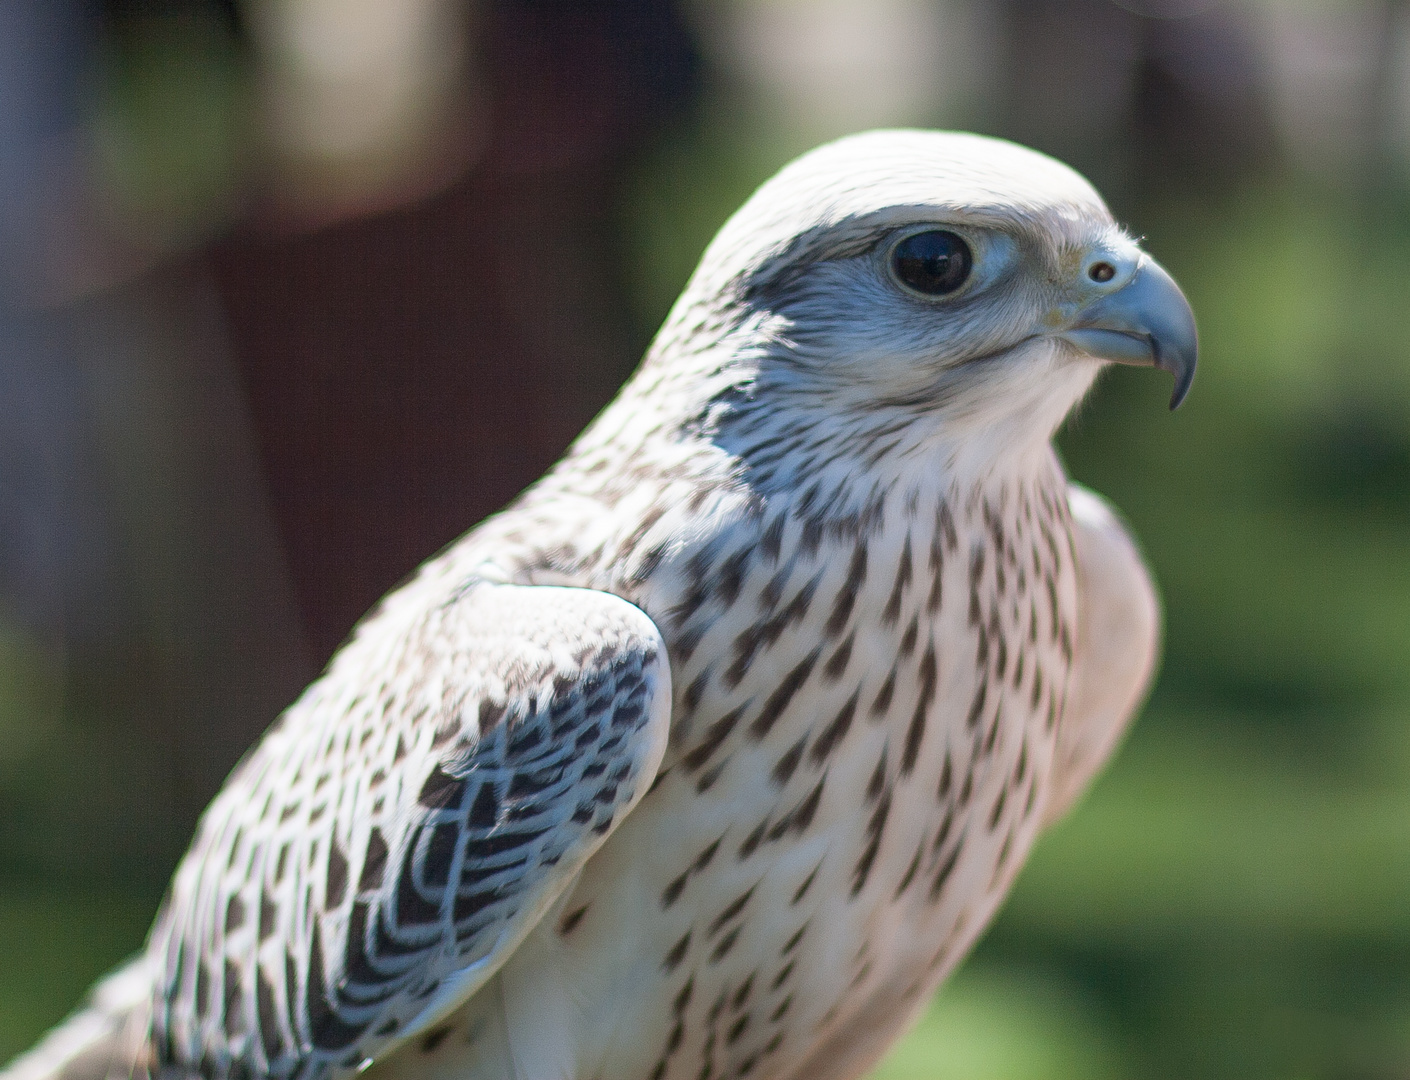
[{"x": 712, "y": 754}]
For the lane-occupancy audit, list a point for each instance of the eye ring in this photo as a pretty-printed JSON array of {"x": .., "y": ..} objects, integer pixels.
[
  {"x": 1101, "y": 272},
  {"x": 932, "y": 263}
]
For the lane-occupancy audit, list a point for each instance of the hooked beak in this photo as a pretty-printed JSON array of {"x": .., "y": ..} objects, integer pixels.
[{"x": 1147, "y": 322}]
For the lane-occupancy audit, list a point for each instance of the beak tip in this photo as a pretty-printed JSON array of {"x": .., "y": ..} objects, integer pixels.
[
  {"x": 1184, "y": 377},
  {"x": 1180, "y": 361}
]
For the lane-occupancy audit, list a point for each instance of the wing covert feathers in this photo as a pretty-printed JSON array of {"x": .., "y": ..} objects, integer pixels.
[
  {"x": 1118, "y": 644},
  {"x": 392, "y": 839}
]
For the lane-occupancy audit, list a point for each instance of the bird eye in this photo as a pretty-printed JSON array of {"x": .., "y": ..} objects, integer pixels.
[{"x": 934, "y": 263}]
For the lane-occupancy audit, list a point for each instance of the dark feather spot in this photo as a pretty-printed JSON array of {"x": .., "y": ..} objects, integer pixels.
[
  {"x": 683, "y": 998},
  {"x": 732, "y": 909},
  {"x": 772, "y": 541},
  {"x": 802, "y": 815},
  {"x": 947, "y": 868},
  {"x": 717, "y": 1008},
  {"x": 916, "y": 732},
  {"x": 772, "y": 592},
  {"x": 203, "y": 989},
  {"x": 878, "y": 778},
  {"x": 736, "y": 1030},
  {"x": 468, "y": 904},
  {"x": 268, "y": 1015},
  {"x": 807, "y": 884},
  {"x": 783, "y": 974},
  {"x": 676, "y": 954},
  {"x": 703, "y": 859},
  {"x": 837, "y": 663},
  {"x": 440, "y": 852},
  {"x": 779, "y": 699},
  {"x": 434, "y": 1038},
  {"x": 337, "y": 882},
  {"x": 714, "y": 735},
  {"x": 910, "y": 874},
  {"x": 374, "y": 862},
  {"x": 892, "y": 612},
  {"x": 742, "y": 994},
  {"x": 441, "y": 790},
  {"x": 690, "y": 700},
  {"x": 908, "y": 639},
  {"x": 671, "y": 893},
  {"x": 753, "y": 840},
  {"x": 1004, "y": 851},
  {"x": 937, "y": 571},
  {"x": 976, "y": 708},
  {"x": 835, "y": 731},
  {"x": 731, "y": 576},
  {"x": 784, "y": 769},
  {"x": 233, "y": 1015},
  {"x": 847, "y": 598},
  {"x": 998, "y": 811},
  {"x": 490, "y": 715},
  {"x": 946, "y": 524},
  {"x": 447, "y": 729},
  {"x": 571, "y": 920},
  {"x": 281, "y": 863},
  {"x": 792, "y": 943},
  {"x": 412, "y": 907},
  {"x": 726, "y": 944},
  {"x": 268, "y": 917},
  {"x": 234, "y": 914},
  {"x": 875, "y": 827},
  {"x": 497, "y": 843},
  {"x": 767, "y": 631},
  {"x": 709, "y": 776},
  {"x": 884, "y": 695}
]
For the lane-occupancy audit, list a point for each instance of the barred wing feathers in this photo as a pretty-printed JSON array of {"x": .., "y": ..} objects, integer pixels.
[{"x": 379, "y": 855}]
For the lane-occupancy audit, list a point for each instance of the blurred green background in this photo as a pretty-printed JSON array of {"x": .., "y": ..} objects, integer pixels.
[{"x": 225, "y": 255}]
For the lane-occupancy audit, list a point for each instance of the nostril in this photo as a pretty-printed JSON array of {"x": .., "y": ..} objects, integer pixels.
[{"x": 1101, "y": 272}]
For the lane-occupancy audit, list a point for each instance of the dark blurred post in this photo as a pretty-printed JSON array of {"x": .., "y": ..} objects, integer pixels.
[{"x": 410, "y": 372}]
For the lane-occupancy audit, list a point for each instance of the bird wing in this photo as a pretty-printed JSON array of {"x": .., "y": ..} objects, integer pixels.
[
  {"x": 394, "y": 837},
  {"x": 1118, "y": 643}
]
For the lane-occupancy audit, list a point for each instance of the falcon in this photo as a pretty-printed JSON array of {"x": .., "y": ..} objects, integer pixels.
[{"x": 713, "y": 753}]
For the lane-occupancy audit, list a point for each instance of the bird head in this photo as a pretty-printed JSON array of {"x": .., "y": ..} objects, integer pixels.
[{"x": 963, "y": 288}]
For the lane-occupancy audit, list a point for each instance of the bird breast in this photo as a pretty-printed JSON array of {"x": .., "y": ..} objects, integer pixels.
[{"x": 864, "y": 720}]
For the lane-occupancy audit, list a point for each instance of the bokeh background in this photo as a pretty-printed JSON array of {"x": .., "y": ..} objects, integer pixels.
[{"x": 292, "y": 292}]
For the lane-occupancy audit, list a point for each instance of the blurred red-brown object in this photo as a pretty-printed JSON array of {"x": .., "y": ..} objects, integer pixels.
[{"x": 409, "y": 373}]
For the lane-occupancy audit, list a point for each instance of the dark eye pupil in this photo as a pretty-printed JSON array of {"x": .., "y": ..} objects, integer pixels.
[{"x": 933, "y": 263}]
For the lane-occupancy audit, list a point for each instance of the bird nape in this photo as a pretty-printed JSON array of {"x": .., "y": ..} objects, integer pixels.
[{"x": 714, "y": 752}]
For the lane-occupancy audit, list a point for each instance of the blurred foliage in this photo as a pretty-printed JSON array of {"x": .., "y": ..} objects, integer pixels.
[
  {"x": 171, "y": 129},
  {"x": 56, "y": 940}
]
